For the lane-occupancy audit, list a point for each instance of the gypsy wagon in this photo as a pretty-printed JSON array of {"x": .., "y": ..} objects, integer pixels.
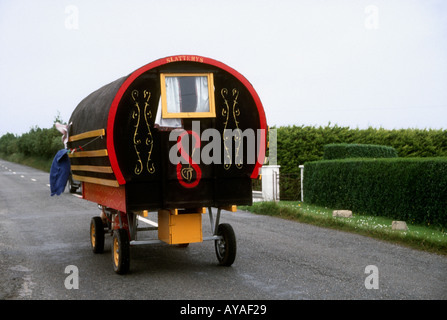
[{"x": 177, "y": 137}]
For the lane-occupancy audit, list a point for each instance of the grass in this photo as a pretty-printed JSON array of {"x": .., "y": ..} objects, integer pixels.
[{"x": 419, "y": 237}]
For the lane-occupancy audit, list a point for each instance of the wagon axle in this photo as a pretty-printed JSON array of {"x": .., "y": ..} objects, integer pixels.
[{"x": 124, "y": 228}]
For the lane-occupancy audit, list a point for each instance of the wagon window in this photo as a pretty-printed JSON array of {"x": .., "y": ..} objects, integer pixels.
[{"x": 187, "y": 95}]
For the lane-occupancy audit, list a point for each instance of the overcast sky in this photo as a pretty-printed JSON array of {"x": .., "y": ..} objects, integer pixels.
[{"x": 355, "y": 63}]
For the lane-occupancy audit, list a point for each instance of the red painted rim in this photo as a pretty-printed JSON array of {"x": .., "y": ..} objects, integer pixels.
[{"x": 179, "y": 58}]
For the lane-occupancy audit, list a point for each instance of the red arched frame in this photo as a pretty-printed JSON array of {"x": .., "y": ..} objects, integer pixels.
[{"x": 114, "y": 107}]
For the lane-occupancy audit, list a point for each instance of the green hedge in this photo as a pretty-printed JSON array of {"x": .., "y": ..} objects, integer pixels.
[
  {"x": 411, "y": 189},
  {"x": 300, "y": 144},
  {"x": 346, "y": 150},
  {"x": 36, "y": 143}
]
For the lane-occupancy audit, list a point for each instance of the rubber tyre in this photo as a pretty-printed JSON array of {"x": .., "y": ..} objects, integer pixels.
[
  {"x": 120, "y": 251},
  {"x": 225, "y": 248},
  {"x": 97, "y": 235}
]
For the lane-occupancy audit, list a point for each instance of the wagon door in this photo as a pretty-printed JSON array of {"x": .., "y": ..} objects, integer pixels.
[{"x": 186, "y": 110}]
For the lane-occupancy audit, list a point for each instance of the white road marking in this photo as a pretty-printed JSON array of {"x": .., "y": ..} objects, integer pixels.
[{"x": 147, "y": 221}]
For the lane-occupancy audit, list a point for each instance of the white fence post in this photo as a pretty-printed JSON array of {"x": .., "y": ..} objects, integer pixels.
[
  {"x": 270, "y": 182},
  {"x": 302, "y": 176}
]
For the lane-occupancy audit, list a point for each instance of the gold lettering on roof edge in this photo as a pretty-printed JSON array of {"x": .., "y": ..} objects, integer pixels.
[{"x": 184, "y": 58}]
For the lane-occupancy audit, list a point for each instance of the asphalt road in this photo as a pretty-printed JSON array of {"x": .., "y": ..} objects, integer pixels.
[{"x": 41, "y": 235}]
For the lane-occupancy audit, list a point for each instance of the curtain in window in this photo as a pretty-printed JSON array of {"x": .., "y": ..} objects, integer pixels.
[
  {"x": 203, "y": 104},
  {"x": 173, "y": 104},
  {"x": 173, "y": 94},
  {"x": 174, "y": 100}
]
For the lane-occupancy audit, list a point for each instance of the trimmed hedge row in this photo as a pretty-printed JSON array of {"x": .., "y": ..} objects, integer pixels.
[
  {"x": 300, "y": 144},
  {"x": 409, "y": 189},
  {"x": 346, "y": 150}
]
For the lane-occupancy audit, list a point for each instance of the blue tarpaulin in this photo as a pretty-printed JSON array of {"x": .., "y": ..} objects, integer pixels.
[{"x": 59, "y": 172}]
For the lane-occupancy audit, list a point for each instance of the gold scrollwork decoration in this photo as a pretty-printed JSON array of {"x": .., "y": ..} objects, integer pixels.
[
  {"x": 136, "y": 114},
  {"x": 226, "y": 114},
  {"x": 149, "y": 141},
  {"x": 236, "y": 133}
]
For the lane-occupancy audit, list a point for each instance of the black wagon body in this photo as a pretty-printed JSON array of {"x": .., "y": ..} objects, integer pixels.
[{"x": 177, "y": 135}]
